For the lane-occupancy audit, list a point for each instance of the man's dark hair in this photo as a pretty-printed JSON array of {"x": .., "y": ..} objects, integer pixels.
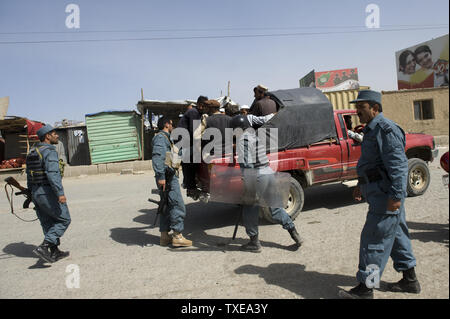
[
  {"x": 240, "y": 121},
  {"x": 372, "y": 104},
  {"x": 421, "y": 49},
  {"x": 162, "y": 122},
  {"x": 202, "y": 99}
]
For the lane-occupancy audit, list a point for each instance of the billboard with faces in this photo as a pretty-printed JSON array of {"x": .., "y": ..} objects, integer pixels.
[{"x": 424, "y": 65}]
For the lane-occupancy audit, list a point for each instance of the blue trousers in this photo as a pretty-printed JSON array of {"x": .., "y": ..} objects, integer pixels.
[
  {"x": 384, "y": 235},
  {"x": 54, "y": 216},
  {"x": 264, "y": 188},
  {"x": 173, "y": 218}
]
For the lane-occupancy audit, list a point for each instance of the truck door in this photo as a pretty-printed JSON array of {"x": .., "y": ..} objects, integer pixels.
[{"x": 350, "y": 155}]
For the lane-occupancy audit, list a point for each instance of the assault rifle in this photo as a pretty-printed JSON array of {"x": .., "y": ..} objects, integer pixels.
[
  {"x": 23, "y": 191},
  {"x": 163, "y": 194},
  {"x": 162, "y": 203}
]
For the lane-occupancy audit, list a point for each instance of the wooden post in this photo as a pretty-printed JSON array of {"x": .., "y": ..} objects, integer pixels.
[
  {"x": 142, "y": 132},
  {"x": 228, "y": 89}
]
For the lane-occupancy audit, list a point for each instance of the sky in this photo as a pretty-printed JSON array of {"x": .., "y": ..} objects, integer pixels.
[{"x": 194, "y": 47}]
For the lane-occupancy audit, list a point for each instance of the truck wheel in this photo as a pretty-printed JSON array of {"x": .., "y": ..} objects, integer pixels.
[
  {"x": 418, "y": 177},
  {"x": 294, "y": 205}
]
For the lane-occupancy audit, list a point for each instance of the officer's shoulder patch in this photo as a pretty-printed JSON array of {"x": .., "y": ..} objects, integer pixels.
[{"x": 385, "y": 126}]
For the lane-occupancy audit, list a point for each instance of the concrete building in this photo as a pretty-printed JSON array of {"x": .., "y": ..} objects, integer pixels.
[{"x": 419, "y": 111}]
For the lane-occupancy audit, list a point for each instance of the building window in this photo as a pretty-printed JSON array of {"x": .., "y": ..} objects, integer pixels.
[{"x": 423, "y": 110}]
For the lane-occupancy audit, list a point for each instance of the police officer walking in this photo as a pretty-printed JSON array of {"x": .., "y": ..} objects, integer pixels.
[
  {"x": 167, "y": 180},
  {"x": 382, "y": 177},
  {"x": 45, "y": 182}
]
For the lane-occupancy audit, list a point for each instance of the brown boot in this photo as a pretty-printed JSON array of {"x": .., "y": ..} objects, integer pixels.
[
  {"x": 179, "y": 241},
  {"x": 165, "y": 239}
]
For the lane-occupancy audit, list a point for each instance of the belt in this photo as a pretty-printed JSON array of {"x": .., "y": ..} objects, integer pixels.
[
  {"x": 370, "y": 178},
  {"x": 40, "y": 184}
]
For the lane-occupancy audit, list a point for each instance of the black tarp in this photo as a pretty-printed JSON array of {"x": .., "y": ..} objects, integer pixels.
[{"x": 305, "y": 116}]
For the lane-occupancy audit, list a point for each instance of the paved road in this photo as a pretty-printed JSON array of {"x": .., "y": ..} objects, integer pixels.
[{"x": 115, "y": 249}]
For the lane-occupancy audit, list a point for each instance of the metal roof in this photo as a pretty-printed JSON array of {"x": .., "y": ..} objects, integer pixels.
[{"x": 156, "y": 106}]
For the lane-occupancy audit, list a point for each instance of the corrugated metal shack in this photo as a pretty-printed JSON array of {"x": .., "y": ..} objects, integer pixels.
[
  {"x": 114, "y": 136},
  {"x": 76, "y": 146},
  {"x": 150, "y": 110}
]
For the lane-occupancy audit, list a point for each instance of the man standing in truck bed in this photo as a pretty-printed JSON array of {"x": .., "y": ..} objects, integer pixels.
[
  {"x": 262, "y": 105},
  {"x": 382, "y": 170}
]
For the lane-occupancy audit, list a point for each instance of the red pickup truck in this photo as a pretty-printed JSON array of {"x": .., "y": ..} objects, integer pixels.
[{"x": 330, "y": 159}]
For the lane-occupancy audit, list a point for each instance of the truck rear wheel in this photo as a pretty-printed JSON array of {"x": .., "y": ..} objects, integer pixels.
[
  {"x": 418, "y": 177},
  {"x": 294, "y": 205}
]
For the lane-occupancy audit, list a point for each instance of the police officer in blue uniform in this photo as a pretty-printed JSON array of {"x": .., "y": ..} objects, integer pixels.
[
  {"x": 45, "y": 182},
  {"x": 167, "y": 180},
  {"x": 382, "y": 177}
]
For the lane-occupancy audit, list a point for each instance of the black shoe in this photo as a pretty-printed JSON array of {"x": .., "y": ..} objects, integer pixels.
[
  {"x": 43, "y": 251},
  {"x": 194, "y": 193},
  {"x": 295, "y": 236},
  {"x": 408, "y": 283},
  {"x": 253, "y": 245},
  {"x": 358, "y": 292},
  {"x": 57, "y": 254}
]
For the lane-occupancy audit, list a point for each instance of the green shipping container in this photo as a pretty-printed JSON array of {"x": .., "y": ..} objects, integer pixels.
[{"x": 114, "y": 136}]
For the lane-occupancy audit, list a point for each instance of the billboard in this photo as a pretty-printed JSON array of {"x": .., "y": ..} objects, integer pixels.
[
  {"x": 337, "y": 80},
  {"x": 309, "y": 80},
  {"x": 424, "y": 65}
]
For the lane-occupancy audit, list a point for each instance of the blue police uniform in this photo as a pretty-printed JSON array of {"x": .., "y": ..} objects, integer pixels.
[
  {"x": 383, "y": 170},
  {"x": 45, "y": 182},
  {"x": 176, "y": 211}
]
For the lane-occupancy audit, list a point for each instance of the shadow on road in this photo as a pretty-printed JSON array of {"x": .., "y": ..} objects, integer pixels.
[
  {"x": 427, "y": 232},
  {"x": 294, "y": 277},
  {"x": 23, "y": 250},
  {"x": 328, "y": 196},
  {"x": 200, "y": 217}
]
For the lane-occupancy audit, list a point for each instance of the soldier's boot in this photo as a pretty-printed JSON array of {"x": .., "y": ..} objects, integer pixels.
[
  {"x": 179, "y": 241},
  {"x": 295, "y": 236},
  {"x": 253, "y": 245},
  {"x": 58, "y": 254},
  {"x": 408, "y": 283},
  {"x": 359, "y": 292},
  {"x": 43, "y": 251},
  {"x": 165, "y": 239}
]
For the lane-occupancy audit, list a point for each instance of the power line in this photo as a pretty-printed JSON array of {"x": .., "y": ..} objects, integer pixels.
[
  {"x": 218, "y": 36},
  {"x": 77, "y": 31}
]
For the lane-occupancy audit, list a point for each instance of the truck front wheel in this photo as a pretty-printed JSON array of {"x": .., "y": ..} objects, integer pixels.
[
  {"x": 294, "y": 205},
  {"x": 418, "y": 177}
]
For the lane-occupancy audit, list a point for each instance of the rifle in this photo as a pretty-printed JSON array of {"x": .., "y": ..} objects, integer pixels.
[
  {"x": 163, "y": 194},
  {"x": 23, "y": 191},
  {"x": 162, "y": 203}
]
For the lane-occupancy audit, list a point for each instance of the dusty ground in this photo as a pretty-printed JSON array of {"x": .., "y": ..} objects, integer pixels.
[{"x": 116, "y": 249}]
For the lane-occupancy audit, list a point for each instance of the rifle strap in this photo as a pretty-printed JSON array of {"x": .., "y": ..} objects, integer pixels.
[{"x": 10, "y": 200}]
